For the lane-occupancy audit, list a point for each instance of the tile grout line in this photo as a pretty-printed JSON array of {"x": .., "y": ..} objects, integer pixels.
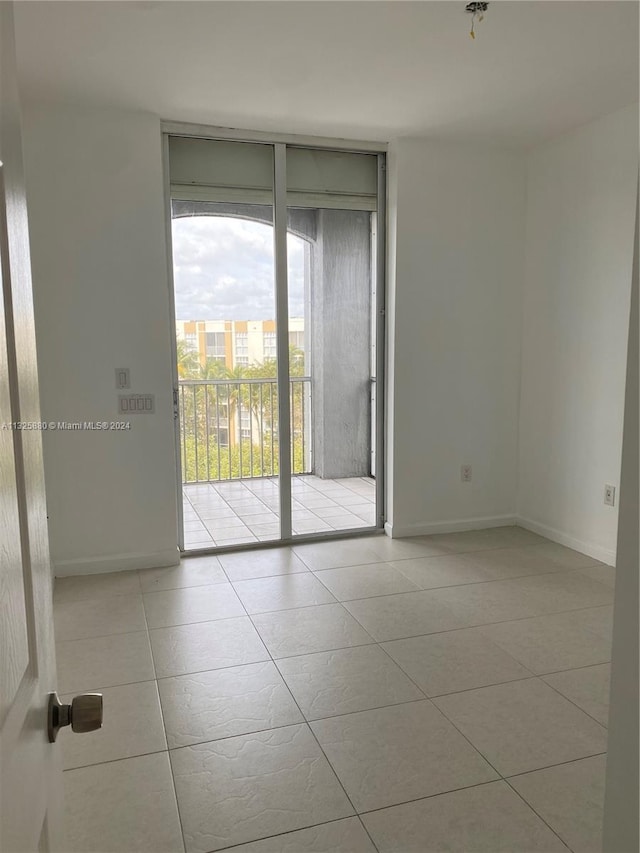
[
  {"x": 390, "y": 640},
  {"x": 309, "y": 720},
  {"x": 506, "y": 778},
  {"x": 467, "y": 689},
  {"x": 449, "y": 553},
  {"x": 296, "y": 541},
  {"x": 553, "y": 766},
  {"x": 572, "y": 668},
  {"x": 291, "y": 832},
  {"x": 529, "y": 805},
  {"x": 216, "y": 543},
  {"x": 440, "y": 711},
  {"x": 166, "y": 740},
  {"x": 575, "y": 704},
  {"x": 472, "y": 745},
  {"x": 503, "y": 547},
  {"x": 438, "y": 695},
  {"x": 228, "y": 505},
  {"x": 314, "y": 719},
  {"x": 469, "y": 788},
  {"x": 524, "y": 772},
  {"x": 543, "y": 574},
  {"x": 430, "y": 797},
  {"x": 379, "y": 644},
  {"x": 322, "y": 521},
  {"x": 302, "y": 722},
  {"x": 433, "y": 588},
  {"x": 482, "y": 624},
  {"x": 283, "y": 609},
  {"x": 117, "y": 760},
  {"x": 306, "y": 723},
  {"x": 341, "y": 648}
]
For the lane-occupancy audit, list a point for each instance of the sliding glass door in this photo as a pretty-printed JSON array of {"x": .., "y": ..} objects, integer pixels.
[
  {"x": 332, "y": 200},
  {"x": 276, "y": 261}
]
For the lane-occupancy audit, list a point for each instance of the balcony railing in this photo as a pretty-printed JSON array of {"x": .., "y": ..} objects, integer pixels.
[{"x": 229, "y": 428}]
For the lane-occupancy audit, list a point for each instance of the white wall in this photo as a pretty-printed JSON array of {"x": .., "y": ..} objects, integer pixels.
[
  {"x": 457, "y": 240},
  {"x": 95, "y": 191},
  {"x": 456, "y": 257},
  {"x": 579, "y": 245},
  {"x": 95, "y": 194}
]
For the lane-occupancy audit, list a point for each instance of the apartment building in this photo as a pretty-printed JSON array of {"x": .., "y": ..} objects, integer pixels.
[{"x": 237, "y": 342}]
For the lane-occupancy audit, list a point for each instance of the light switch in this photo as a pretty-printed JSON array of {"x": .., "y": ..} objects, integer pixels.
[
  {"x": 123, "y": 377},
  {"x": 136, "y": 404}
]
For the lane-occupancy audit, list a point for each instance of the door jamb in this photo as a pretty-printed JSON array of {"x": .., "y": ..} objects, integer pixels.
[
  {"x": 282, "y": 334},
  {"x": 175, "y": 387}
]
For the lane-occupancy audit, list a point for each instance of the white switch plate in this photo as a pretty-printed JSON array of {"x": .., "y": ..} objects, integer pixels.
[
  {"x": 465, "y": 473},
  {"x": 136, "y": 404},
  {"x": 610, "y": 495},
  {"x": 123, "y": 377}
]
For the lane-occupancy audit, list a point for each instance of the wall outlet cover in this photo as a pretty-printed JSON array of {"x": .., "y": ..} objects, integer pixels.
[
  {"x": 136, "y": 404},
  {"x": 123, "y": 377},
  {"x": 610, "y": 495}
]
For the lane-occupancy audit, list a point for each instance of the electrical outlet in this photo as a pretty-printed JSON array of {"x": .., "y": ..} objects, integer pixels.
[
  {"x": 610, "y": 495},
  {"x": 465, "y": 473}
]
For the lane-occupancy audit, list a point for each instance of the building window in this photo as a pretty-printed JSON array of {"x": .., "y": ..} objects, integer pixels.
[
  {"x": 269, "y": 345},
  {"x": 222, "y": 436},
  {"x": 245, "y": 423},
  {"x": 296, "y": 339},
  {"x": 191, "y": 341},
  {"x": 242, "y": 348},
  {"x": 216, "y": 345}
]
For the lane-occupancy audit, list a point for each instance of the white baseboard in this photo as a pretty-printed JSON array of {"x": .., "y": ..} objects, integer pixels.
[
  {"x": 606, "y": 555},
  {"x": 453, "y": 526},
  {"x": 116, "y": 563}
]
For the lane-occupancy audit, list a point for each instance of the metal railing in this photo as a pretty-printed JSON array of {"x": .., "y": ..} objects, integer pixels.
[{"x": 229, "y": 428}]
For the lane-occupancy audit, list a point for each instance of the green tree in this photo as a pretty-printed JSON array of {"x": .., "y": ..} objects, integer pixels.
[
  {"x": 188, "y": 364},
  {"x": 204, "y": 407}
]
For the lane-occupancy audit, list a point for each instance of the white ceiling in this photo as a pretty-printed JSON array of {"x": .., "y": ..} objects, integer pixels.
[{"x": 368, "y": 70}]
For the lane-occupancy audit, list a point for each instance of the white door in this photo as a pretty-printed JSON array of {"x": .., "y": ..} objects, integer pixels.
[{"x": 30, "y": 775}]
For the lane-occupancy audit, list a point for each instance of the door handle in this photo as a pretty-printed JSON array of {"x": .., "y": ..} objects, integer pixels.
[{"x": 84, "y": 714}]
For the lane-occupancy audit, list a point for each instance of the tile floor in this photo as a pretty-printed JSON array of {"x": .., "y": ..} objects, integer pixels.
[
  {"x": 429, "y": 694},
  {"x": 244, "y": 511}
]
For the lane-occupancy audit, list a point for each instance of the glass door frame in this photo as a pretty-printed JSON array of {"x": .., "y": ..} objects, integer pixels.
[{"x": 279, "y": 144}]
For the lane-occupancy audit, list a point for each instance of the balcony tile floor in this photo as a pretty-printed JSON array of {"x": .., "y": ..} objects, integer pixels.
[
  {"x": 275, "y": 701},
  {"x": 244, "y": 511}
]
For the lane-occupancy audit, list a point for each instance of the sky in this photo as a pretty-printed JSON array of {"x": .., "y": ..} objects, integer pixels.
[{"x": 223, "y": 269}]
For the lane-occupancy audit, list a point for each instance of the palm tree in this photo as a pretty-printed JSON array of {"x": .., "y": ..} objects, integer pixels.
[
  {"x": 210, "y": 398},
  {"x": 188, "y": 364},
  {"x": 238, "y": 396},
  {"x": 264, "y": 397},
  {"x": 213, "y": 368},
  {"x": 296, "y": 361}
]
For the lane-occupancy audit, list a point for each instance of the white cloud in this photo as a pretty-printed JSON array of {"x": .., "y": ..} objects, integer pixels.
[{"x": 224, "y": 269}]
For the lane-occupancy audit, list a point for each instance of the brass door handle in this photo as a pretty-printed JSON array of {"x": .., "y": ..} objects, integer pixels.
[{"x": 84, "y": 714}]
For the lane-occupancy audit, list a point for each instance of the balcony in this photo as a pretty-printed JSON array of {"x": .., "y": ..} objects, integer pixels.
[{"x": 230, "y": 462}]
